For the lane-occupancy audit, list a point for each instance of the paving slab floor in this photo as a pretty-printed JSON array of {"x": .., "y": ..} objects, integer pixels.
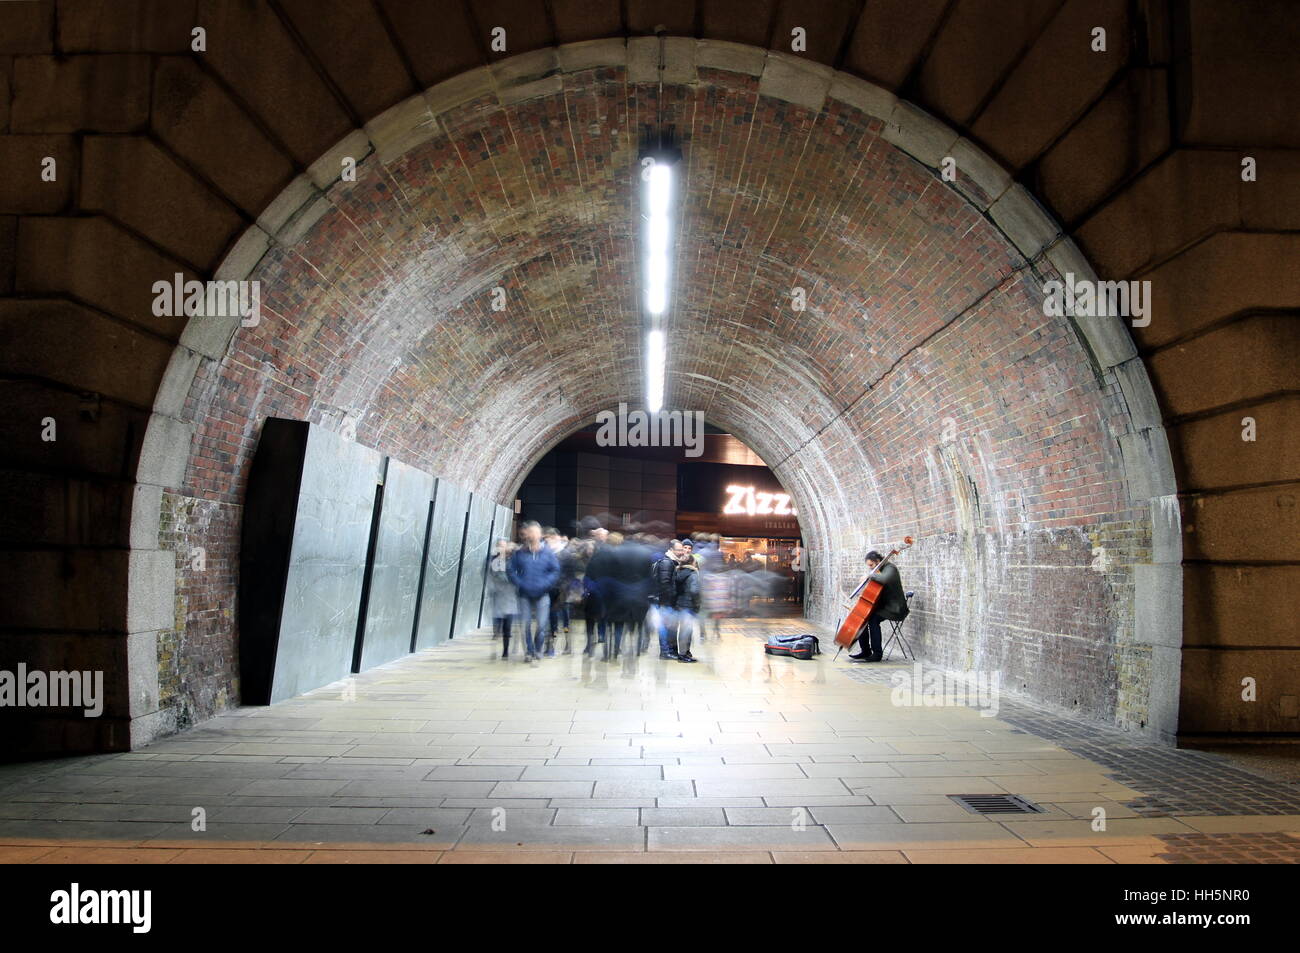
[{"x": 454, "y": 755}]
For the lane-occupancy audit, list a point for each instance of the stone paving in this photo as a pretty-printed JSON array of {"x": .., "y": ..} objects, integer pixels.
[
  {"x": 456, "y": 756},
  {"x": 1175, "y": 781}
]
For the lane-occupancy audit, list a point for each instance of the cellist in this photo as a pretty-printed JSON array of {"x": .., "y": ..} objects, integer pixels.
[{"x": 892, "y": 604}]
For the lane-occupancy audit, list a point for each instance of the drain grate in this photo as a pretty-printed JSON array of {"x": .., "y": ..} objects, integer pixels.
[{"x": 996, "y": 804}]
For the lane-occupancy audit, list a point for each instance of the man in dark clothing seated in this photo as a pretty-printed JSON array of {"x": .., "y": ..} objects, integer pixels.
[{"x": 891, "y": 604}]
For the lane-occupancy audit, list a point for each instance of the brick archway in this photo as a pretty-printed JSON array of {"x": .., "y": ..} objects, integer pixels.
[
  {"x": 167, "y": 156},
  {"x": 450, "y": 201}
]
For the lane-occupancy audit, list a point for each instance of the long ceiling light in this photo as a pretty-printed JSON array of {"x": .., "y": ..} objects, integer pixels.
[
  {"x": 656, "y": 358},
  {"x": 658, "y": 192},
  {"x": 658, "y": 188}
]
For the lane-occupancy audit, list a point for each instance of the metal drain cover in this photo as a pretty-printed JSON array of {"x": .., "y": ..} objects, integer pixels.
[{"x": 996, "y": 804}]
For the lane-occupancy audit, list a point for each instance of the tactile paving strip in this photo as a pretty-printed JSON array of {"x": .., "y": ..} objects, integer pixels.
[{"x": 1250, "y": 848}]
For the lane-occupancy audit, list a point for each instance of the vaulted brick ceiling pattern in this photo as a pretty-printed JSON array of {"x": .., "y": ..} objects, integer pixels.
[{"x": 918, "y": 309}]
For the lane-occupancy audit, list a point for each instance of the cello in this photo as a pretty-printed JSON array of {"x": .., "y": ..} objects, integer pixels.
[{"x": 868, "y": 594}]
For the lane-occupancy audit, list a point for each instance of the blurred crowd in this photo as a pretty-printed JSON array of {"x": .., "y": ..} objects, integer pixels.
[{"x": 625, "y": 590}]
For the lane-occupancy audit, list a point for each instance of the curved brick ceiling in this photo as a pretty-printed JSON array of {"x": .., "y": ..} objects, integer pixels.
[
  {"x": 379, "y": 319},
  {"x": 922, "y": 372}
]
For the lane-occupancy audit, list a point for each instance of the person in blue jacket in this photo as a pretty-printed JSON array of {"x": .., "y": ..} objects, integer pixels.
[{"x": 534, "y": 570}]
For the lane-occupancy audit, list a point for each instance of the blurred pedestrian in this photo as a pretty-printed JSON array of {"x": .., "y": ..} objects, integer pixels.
[
  {"x": 686, "y": 585},
  {"x": 797, "y": 566},
  {"x": 715, "y": 588},
  {"x": 559, "y": 614},
  {"x": 597, "y": 569},
  {"x": 664, "y": 594},
  {"x": 502, "y": 596},
  {"x": 628, "y": 589},
  {"x": 534, "y": 569}
]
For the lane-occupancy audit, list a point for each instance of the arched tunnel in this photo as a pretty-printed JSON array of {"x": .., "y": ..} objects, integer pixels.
[
  {"x": 869, "y": 241},
  {"x": 920, "y": 310}
]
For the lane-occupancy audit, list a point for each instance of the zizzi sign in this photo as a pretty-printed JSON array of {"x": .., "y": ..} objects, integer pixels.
[{"x": 747, "y": 501}]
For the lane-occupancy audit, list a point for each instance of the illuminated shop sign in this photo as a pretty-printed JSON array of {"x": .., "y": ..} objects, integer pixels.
[{"x": 747, "y": 501}]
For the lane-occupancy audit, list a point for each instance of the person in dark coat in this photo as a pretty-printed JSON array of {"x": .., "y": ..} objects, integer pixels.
[
  {"x": 560, "y": 593},
  {"x": 797, "y": 563},
  {"x": 626, "y": 587},
  {"x": 597, "y": 569},
  {"x": 891, "y": 605},
  {"x": 686, "y": 603},
  {"x": 664, "y": 594}
]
